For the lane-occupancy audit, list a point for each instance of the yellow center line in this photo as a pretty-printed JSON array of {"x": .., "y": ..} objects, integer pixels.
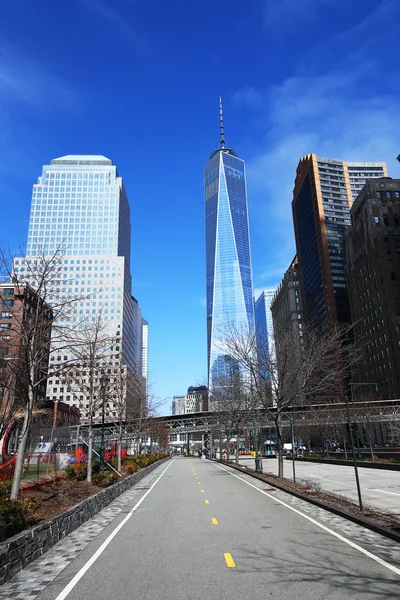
[
  {"x": 202, "y": 491},
  {"x": 214, "y": 521},
  {"x": 206, "y": 502},
  {"x": 229, "y": 560},
  {"x": 199, "y": 483}
]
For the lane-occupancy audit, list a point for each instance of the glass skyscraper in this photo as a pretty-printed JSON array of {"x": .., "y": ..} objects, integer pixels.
[
  {"x": 80, "y": 204},
  {"x": 323, "y": 194},
  {"x": 228, "y": 262}
]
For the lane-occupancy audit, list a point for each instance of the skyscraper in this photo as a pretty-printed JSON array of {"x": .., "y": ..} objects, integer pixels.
[
  {"x": 324, "y": 191},
  {"x": 373, "y": 270},
  {"x": 265, "y": 335},
  {"x": 80, "y": 203},
  {"x": 228, "y": 262}
]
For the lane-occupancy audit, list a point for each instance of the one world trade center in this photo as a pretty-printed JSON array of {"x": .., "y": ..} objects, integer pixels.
[{"x": 230, "y": 305}]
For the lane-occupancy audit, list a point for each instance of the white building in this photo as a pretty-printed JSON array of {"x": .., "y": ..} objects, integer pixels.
[{"x": 80, "y": 203}]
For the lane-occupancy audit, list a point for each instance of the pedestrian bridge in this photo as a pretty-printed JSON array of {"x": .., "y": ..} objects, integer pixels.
[{"x": 308, "y": 415}]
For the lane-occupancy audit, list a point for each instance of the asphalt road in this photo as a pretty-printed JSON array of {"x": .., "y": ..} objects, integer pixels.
[
  {"x": 202, "y": 532},
  {"x": 379, "y": 488}
]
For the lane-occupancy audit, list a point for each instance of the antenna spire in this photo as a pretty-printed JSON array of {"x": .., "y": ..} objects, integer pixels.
[{"x": 221, "y": 125}]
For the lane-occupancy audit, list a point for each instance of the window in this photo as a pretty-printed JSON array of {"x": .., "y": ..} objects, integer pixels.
[
  {"x": 8, "y": 291},
  {"x": 387, "y": 194},
  {"x": 376, "y": 219},
  {"x": 378, "y": 194},
  {"x": 6, "y": 315}
]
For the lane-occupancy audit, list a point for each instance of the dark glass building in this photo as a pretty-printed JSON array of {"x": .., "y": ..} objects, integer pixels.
[
  {"x": 228, "y": 263},
  {"x": 323, "y": 193}
]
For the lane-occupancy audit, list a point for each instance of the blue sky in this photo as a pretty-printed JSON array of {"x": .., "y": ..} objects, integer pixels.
[{"x": 139, "y": 81}]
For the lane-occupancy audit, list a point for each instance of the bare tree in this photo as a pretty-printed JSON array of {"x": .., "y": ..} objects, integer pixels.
[
  {"x": 41, "y": 310},
  {"x": 319, "y": 370},
  {"x": 89, "y": 376},
  {"x": 128, "y": 396},
  {"x": 231, "y": 402}
]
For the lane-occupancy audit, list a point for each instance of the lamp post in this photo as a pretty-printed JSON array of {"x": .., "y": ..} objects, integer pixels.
[
  {"x": 292, "y": 436},
  {"x": 352, "y": 385},
  {"x": 255, "y": 441},
  {"x": 104, "y": 380}
]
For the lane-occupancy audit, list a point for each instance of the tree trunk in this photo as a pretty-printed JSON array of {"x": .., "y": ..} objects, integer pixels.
[
  {"x": 19, "y": 463},
  {"x": 90, "y": 449},
  {"x": 370, "y": 446},
  {"x": 119, "y": 466},
  {"x": 345, "y": 448},
  {"x": 278, "y": 424}
]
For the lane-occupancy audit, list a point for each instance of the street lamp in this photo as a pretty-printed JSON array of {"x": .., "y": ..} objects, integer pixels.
[
  {"x": 255, "y": 441},
  {"x": 353, "y": 385},
  {"x": 104, "y": 381}
]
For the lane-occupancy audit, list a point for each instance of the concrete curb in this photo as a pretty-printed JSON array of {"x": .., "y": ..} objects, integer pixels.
[
  {"x": 385, "y": 531},
  {"x": 349, "y": 463},
  {"x": 23, "y": 548}
]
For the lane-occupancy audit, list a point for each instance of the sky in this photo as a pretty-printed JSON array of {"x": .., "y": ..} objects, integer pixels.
[{"x": 139, "y": 82}]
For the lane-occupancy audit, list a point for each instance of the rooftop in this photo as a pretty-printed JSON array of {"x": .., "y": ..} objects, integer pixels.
[{"x": 79, "y": 159}]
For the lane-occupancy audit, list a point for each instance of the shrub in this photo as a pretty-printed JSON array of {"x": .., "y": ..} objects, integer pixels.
[
  {"x": 76, "y": 471},
  {"x": 5, "y": 488},
  {"x": 70, "y": 472},
  {"x": 104, "y": 478},
  {"x": 95, "y": 466},
  {"x": 81, "y": 472},
  {"x": 129, "y": 467},
  {"x": 16, "y": 515}
]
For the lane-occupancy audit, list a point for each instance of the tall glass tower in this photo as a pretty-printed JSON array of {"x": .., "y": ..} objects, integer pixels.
[
  {"x": 80, "y": 203},
  {"x": 228, "y": 262}
]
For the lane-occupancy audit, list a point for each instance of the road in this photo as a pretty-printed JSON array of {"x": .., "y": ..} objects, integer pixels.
[
  {"x": 379, "y": 488},
  {"x": 196, "y": 530}
]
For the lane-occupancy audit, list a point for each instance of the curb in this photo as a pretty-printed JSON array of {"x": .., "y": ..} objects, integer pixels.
[
  {"x": 348, "y": 463},
  {"x": 385, "y": 531}
]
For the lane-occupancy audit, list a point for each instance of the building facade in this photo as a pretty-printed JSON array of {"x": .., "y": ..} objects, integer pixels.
[
  {"x": 373, "y": 271},
  {"x": 229, "y": 282},
  {"x": 286, "y": 303},
  {"x": 286, "y": 310},
  {"x": 145, "y": 355},
  {"x": 80, "y": 205},
  {"x": 324, "y": 191},
  {"x": 196, "y": 399},
  {"x": 178, "y": 405},
  {"x": 25, "y": 333}
]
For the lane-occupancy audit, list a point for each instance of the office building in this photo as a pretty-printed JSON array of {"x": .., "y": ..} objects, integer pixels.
[
  {"x": 373, "y": 270},
  {"x": 145, "y": 355},
  {"x": 229, "y": 280},
  {"x": 196, "y": 399},
  {"x": 265, "y": 339},
  {"x": 324, "y": 191},
  {"x": 80, "y": 204},
  {"x": 178, "y": 405},
  {"x": 286, "y": 303},
  {"x": 286, "y": 313},
  {"x": 24, "y": 346}
]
